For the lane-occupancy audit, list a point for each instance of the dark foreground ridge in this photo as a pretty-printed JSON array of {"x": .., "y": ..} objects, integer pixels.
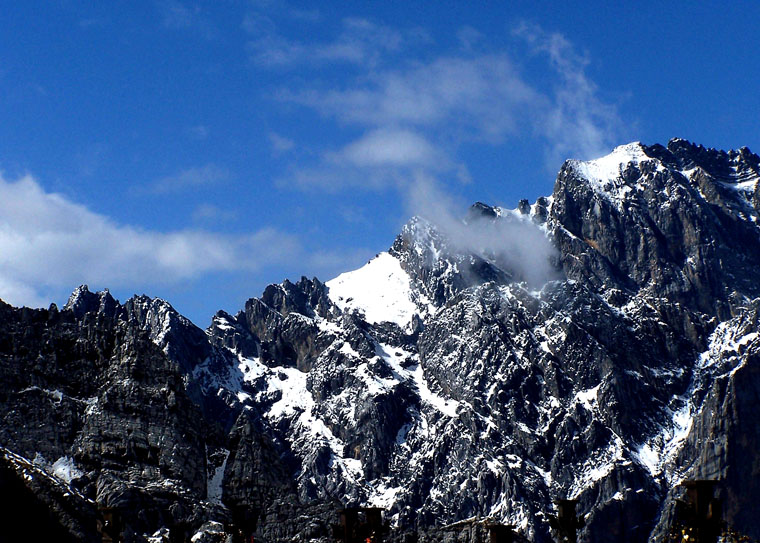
[{"x": 443, "y": 382}]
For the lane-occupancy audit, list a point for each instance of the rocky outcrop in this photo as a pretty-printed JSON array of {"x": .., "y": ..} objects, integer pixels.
[
  {"x": 679, "y": 222},
  {"x": 90, "y": 389}
]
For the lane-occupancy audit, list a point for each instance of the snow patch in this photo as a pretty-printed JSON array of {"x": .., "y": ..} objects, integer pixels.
[
  {"x": 210, "y": 531},
  {"x": 214, "y": 483},
  {"x": 381, "y": 290},
  {"x": 222, "y": 324},
  {"x": 447, "y": 407},
  {"x": 55, "y": 395},
  {"x": 606, "y": 168},
  {"x": 599, "y": 465},
  {"x": 722, "y": 357},
  {"x": 251, "y": 368},
  {"x": 416, "y": 375},
  {"x": 588, "y": 397},
  {"x": 747, "y": 187},
  {"x": 657, "y": 452},
  {"x": 726, "y": 342},
  {"x": 65, "y": 469},
  {"x": 384, "y": 495},
  {"x": 605, "y": 174},
  {"x": 295, "y": 397}
]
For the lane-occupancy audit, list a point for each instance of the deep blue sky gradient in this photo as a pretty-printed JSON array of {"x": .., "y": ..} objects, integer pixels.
[{"x": 163, "y": 117}]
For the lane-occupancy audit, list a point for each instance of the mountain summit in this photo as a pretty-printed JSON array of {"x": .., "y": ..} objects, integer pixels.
[{"x": 600, "y": 344}]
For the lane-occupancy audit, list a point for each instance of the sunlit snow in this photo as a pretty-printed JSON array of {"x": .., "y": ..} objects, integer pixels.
[
  {"x": 604, "y": 174},
  {"x": 607, "y": 168},
  {"x": 588, "y": 397},
  {"x": 65, "y": 469},
  {"x": 416, "y": 375},
  {"x": 380, "y": 290},
  {"x": 214, "y": 483}
]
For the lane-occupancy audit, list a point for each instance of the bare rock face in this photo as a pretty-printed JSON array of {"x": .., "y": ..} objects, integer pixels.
[
  {"x": 678, "y": 221},
  {"x": 600, "y": 344},
  {"x": 104, "y": 409}
]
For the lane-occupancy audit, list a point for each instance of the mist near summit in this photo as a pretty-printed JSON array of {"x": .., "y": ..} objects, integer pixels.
[{"x": 512, "y": 242}]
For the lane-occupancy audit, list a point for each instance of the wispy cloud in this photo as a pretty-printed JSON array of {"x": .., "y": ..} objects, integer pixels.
[
  {"x": 48, "y": 241},
  {"x": 415, "y": 116},
  {"x": 211, "y": 213},
  {"x": 280, "y": 144},
  {"x": 379, "y": 159},
  {"x": 578, "y": 123},
  {"x": 514, "y": 243},
  {"x": 176, "y": 15},
  {"x": 478, "y": 97},
  {"x": 389, "y": 147},
  {"x": 360, "y": 42},
  {"x": 191, "y": 178}
]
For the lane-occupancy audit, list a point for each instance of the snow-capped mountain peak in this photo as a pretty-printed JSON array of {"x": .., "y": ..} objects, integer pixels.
[
  {"x": 381, "y": 290},
  {"x": 435, "y": 381},
  {"x": 608, "y": 167}
]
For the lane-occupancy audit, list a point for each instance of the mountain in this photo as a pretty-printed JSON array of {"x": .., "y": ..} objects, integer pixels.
[{"x": 600, "y": 344}]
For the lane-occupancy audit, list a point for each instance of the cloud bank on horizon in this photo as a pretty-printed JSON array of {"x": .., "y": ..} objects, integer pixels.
[
  {"x": 398, "y": 108},
  {"x": 47, "y": 241}
]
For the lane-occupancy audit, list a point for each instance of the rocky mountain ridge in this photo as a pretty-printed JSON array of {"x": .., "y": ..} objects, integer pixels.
[{"x": 455, "y": 376}]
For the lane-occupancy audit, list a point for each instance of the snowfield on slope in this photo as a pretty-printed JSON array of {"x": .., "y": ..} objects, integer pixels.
[
  {"x": 380, "y": 289},
  {"x": 607, "y": 168}
]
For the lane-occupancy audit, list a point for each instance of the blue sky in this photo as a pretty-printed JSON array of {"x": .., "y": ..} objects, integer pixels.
[{"x": 198, "y": 151}]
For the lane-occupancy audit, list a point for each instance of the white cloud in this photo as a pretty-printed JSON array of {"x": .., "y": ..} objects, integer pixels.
[
  {"x": 478, "y": 97},
  {"x": 389, "y": 147},
  {"x": 414, "y": 119},
  {"x": 578, "y": 124},
  {"x": 47, "y": 241},
  {"x": 360, "y": 42},
  {"x": 379, "y": 159},
  {"x": 481, "y": 97},
  {"x": 418, "y": 115},
  {"x": 18, "y": 293},
  {"x": 513, "y": 243}
]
